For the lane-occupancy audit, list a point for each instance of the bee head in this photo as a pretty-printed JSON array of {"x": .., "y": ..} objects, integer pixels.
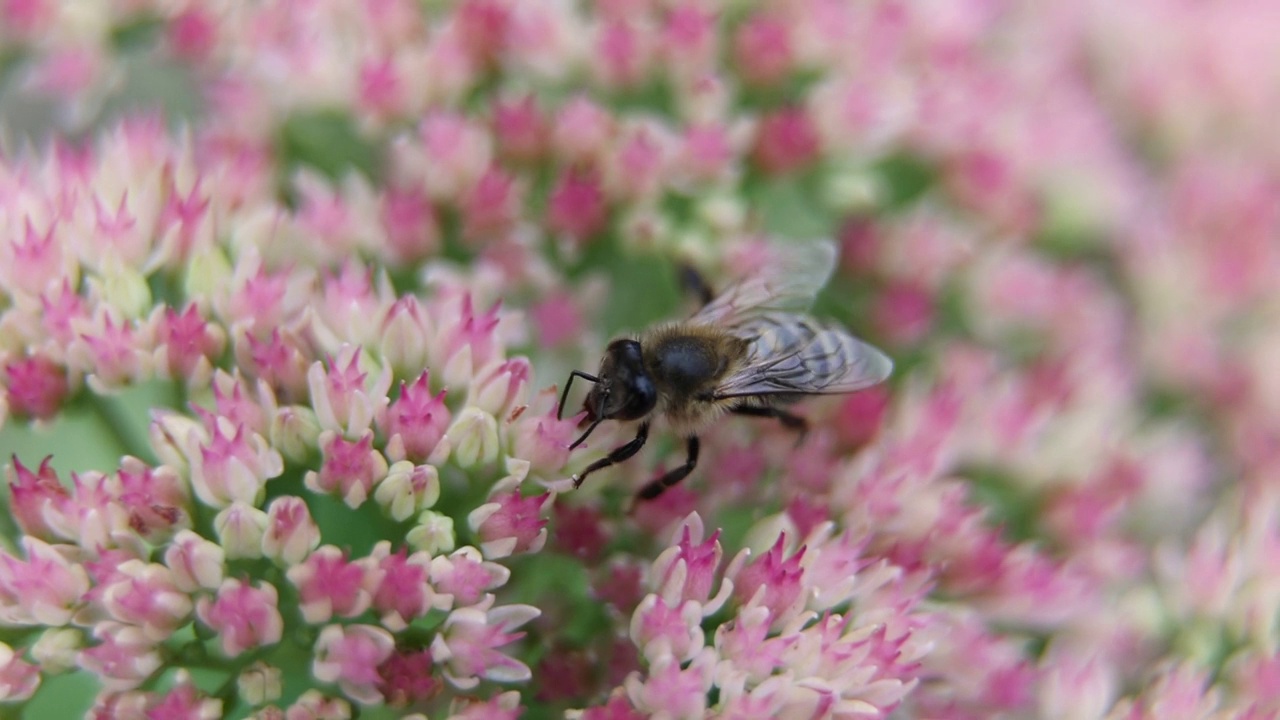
[{"x": 625, "y": 391}]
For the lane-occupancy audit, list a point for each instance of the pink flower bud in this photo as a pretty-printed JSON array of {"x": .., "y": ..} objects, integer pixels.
[
  {"x": 510, "y": 523},
  {"x": 772, "y": 581},
  {"x": 458, "y": 153},
  {"x": 688, "y": 570},
  {"x": 350, "y": 468},
  {"x": 34, "y": 387},
  {"x": 350, "y": 656},
  {"x": 328, "y": 584},
  {"x": 36, "y": 497},
  {"x": 345, "y": 399},
  {"x": 279, "y": 360},
  {"x": 410, "y": 225},
  {"x": 520, "y": 129},
  {"x": 196, "y": 563},
  {"x": 244, "y": 616},
  {"x": 762, "y": 49},
  {"x": 577, "y": 207},
  {"x": 187, "y": 345},
  {"x": 232, "y": 465},
  {"x": 291, "y": 533},
  {"x": 501, "y": 386},
  {"x": 123, "y": 657},
  {"x": 415, "y": 422},
  {"x": 147, "y": 596},
  {"x": 46, "y": 588},
  {"x": 403, "y": 593},
  {"x": 582, "y": 131},
  {"x": 785, "y": 141},
  {"x": 18, "y": 678},
  {"x": 185, "y": 702},
  {"x": 240, "y": 528},
  {"x": 408, "y": 678},
  {"x": 663, "y": 631}
]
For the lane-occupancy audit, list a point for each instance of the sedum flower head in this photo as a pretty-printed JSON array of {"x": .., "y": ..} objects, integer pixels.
[{"x": 276, "y": 359}]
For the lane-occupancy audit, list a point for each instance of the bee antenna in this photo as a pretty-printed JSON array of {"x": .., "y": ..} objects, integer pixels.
[{"x": 580, "y": 440}]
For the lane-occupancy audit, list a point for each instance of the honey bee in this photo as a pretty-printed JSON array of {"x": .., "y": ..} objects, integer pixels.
[{"x": 750, "y": 351}]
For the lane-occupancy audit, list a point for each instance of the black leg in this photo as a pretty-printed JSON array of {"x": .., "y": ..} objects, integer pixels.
[
  {"x": 658, "y": 486},
  {"x": 568, "y": 384},
  {"x": 789, "y": 421},
  {"x": 693, "y": 282},
  {"x": 620, "y": 453}
]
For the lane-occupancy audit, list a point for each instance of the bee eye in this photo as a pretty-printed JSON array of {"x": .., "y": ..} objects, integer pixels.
[{"x": 639, "y": 399}]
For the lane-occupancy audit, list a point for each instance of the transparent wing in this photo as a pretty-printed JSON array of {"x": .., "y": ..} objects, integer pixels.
[
  {"x": 788, "y": 283},
  {"x": 795, "y": 354}
]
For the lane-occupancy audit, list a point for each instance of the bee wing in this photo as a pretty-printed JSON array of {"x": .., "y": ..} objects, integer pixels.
[
  {"x": 788, "y": 283},
  {"x": 795, "y": 354}
]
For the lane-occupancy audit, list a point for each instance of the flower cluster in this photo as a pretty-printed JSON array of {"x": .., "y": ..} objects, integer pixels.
[{"x": 298, "y": 278}]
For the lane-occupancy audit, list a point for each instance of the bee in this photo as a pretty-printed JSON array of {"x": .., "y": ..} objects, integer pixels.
[{"x": 752, "y": 350}]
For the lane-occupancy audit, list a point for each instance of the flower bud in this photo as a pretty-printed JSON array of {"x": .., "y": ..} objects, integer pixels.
[
  {"x": 408, "y": 489},
  {"x": 474, "y": 435},
  {"x": 240, "y": 530},
  {"x": 434, "y": 534}
]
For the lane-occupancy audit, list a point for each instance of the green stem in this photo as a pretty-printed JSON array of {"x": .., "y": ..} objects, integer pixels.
[{"x": 117, "y": 424}]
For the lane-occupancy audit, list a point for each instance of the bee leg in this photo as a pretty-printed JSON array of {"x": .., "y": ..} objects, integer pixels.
[
  {"x": 658, "y": 486},
  {"x": 620, "y": 453},
  {"x": 693, "y": 282},
  {"x": 790, "y": 421}
]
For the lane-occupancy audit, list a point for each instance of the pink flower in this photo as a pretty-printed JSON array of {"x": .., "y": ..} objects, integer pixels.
[
  {"x": 466, "y": 576},
  {"x": 510, "y": 523},
  {"x": 465, "y": 341},
  {"x": 577, "y": 206},
  {"x": 580, "y": 531},
  {"x": 501, "y": 386},
  {"x": 36, "y": 497},
  {"x": 188, "y": 344},
  {"x": 410, "y": 224},
  {"x": 558, "y": 319},
  {"x": 467, "y": 645},
  {"x": 771, "y": 581},
  {"x": 192, "y": 34},
  {"x": 785, "y": 141},
  {"x": 147, "y": 596},
  {"x": 244, "y": 616},
  {"x": 403, "y": 594},
  {"x": 706, "y": 152},
  {"x": 350, "y": 656},
  {"x": 345, "y": 399},
  {"x": 520, "y": 129},
  {"x": 661, "y": 631},
  {"x": 623, "y": 52},
  {"x": 688, "y": 570},
  {"x": 185, "y": 702},
  {"x": 155, "y": 499},
  {"x": 582, "y": 131},
  {"x": 290, "y": 533},
  {"x": 408, "y": 678},
  {"x": 278, "y": 360},
  {"x": 350, "y": 468},
  {"x": 746, "y": 646},
  {"x": 415, "y": 422},
  {"x": 458, "y": 153},
  {"x": 123, "y": 658},
  {"x": 329, "y": 585},
  {"x": 45, "y": 589},
  {"x": 762, "y": 49},
  {"x": 195, "y": 562},
  {"x": 230, "y": 464},
  {"x": 18, "y": 678},
  {"x": 671, "y": 691},
  {"x": 490, "y": 208},
  {"x": 35, "y": 387},
  {"x": 689, "y": 41},
  {"x": 903, "y": 314}
]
